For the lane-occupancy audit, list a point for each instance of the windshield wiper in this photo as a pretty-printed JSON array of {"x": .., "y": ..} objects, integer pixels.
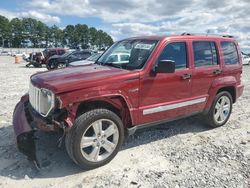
[
  {"x": 98, "y": 63},
  {"x": 112, "y": 65}
]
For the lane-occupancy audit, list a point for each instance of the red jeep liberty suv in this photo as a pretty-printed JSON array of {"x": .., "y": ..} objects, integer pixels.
[{"x": 159, "y": 79}]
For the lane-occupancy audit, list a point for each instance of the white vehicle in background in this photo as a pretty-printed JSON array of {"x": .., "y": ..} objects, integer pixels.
[
  {"x": 246, "y": 60},
  {"x": 119, "y": 58},
  {"x": 5, "y": 53},
  {"x": 18, "y": 54}
]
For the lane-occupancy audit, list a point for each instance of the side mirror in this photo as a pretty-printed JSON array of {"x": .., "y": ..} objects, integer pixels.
[{"x": 165, "y": 66}]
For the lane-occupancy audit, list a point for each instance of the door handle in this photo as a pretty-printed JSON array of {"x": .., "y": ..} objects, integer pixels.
[
  {"x": 186, "y": 76},
  {"x": 216, "y": 72}
]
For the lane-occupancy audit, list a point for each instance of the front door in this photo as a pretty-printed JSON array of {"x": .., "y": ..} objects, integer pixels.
[{"x": 165, "y": 96}]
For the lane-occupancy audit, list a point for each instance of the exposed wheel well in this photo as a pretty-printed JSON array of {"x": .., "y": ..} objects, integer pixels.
[
  {"x": 229, "y": 89},
  {"x": 116, "y": 105}
]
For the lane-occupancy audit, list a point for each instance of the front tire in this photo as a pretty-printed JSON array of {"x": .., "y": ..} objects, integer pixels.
[
  {"x": 60, "y": 65},
  {"x": 220, "y": 110},
  {"x": 95, "y": 138},
  {"x": 50, "y": 65}
]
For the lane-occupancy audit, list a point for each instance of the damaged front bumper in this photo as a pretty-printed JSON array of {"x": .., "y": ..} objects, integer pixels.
[{"x": 25, "y": 123}]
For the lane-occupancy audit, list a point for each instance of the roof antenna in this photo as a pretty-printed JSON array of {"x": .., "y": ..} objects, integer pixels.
[{"x": 207, "y": 32}]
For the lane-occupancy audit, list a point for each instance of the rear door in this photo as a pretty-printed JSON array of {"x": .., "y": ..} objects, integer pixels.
[{"x": 206, "y": 67}]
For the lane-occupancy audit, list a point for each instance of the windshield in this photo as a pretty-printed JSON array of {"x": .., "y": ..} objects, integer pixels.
[
  {"x": 66, "y": 54},
  {"x": 128, "y": 54},
  {"x": 94, "y": 57}
]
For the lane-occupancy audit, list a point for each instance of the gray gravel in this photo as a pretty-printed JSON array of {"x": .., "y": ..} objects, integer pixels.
[{"x": 184, "y": 153}]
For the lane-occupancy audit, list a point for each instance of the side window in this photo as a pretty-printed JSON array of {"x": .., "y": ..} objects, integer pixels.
[
  {"x": 230, "y": 54},
  {"x": 76, "y": 54},
  {"x": 205, "y": 53},
  {"x": 177, "y": 52},
  {"x": 112, "y": 58}
]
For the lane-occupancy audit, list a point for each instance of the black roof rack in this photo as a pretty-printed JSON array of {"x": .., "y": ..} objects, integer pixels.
[
  {"x": 228, "y": 36},
  {"x": 208, "y": 34},
  {"x": 186, "y": 34}
]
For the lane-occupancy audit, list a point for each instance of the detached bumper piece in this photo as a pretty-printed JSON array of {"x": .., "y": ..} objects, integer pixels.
[
  {"x": 26, "y": 121},
  {"x": 24, "y": 132},
  {"x": 26, "y": 145}
]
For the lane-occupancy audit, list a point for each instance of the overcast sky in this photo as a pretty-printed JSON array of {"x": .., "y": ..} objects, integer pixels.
[{"x": 141, "y": 17}]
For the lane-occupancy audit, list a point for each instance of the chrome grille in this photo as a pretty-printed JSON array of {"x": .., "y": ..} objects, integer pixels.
[{"x": 39, "y": 101}]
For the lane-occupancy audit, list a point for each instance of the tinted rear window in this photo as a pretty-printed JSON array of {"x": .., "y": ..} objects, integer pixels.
[{"x": 230, "y": 54}]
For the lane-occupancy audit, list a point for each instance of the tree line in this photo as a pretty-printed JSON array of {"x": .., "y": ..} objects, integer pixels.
[{"x": 30, "y": 32}]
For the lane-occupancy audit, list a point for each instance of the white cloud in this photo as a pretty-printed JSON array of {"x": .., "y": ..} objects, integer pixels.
[
  {"x": 40, "y": 16},
  {"x": 46, "y": 18},
  {"x": 113, "y": 10},
  {"x": 7, "y": 14}
]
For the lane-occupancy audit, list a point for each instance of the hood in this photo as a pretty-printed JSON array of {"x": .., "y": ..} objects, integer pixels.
[
  {"x": 80, "y": 77},
  {"x": 82, "y": 62}
]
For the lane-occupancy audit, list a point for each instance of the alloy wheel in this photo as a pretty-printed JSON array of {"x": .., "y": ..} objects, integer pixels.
[
  {"x": 99, "y": 140},
  {"x": 222, "y": 109}
]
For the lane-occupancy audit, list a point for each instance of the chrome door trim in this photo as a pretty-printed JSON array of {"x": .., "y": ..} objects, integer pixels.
[{"x": 173, "y": 106}]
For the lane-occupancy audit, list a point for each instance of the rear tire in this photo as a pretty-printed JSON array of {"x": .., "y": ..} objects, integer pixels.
[
  {"x": 95, "y": 138},
  {"x": 220, "y": 110}
]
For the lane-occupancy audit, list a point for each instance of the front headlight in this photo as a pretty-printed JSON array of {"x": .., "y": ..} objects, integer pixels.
[
  {"x": 47, "y": 101},
  {"x": 47, "y": 94},
  {"x": 41, "y": 99}
]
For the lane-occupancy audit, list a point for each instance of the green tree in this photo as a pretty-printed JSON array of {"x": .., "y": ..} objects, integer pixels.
[
  {"x": 16, "y": 32},
  {"x": 81, "y": 35},
  {"x": 42, "y": 31},
  {"x": 93, "y": 36},
  {"x": 56, "y": 36},
  {"x": 34, "y": 30},
  {"x": 4, "y": 29},
  {"x": 69, "y": 35}
]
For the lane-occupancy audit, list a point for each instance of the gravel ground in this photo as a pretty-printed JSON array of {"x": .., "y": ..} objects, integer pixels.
[{"x": 184, "y": 153}]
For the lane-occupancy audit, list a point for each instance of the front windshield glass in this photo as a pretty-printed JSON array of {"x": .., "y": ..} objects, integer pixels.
[
  {"x": 94, "y": 57},
  {"x": 128, "y": 54},
  {"x": 66, "y": 54}
]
